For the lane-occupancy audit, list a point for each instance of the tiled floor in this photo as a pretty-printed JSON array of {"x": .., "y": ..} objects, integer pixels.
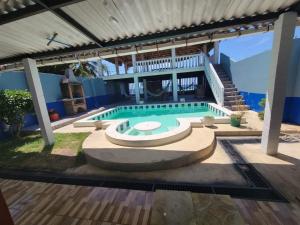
[
  {"x": 36, "y": 203},
  {"x": 41, "y": 203}
]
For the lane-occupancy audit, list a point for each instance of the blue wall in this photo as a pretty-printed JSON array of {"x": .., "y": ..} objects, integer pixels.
[
  {"x": 250, "y": 76},
  {"x": 97, "y": 92}
]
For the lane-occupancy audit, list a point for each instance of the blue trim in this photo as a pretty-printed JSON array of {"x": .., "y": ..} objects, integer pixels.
[
  {"x": 252, "y": 99},
  {"x": 58, "y": 107},
  {"x": 91, "y": 102},
  {"x": 29, "y": 120},
  {"x": 292, "y": 110}
]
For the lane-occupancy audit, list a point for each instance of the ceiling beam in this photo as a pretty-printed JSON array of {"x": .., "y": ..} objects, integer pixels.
[
  {"x": 69, "y": 20},
  {"x": 35, "y": 9}
]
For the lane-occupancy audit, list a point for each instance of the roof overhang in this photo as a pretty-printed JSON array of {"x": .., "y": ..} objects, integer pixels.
[{"x": 93, "y": 45}]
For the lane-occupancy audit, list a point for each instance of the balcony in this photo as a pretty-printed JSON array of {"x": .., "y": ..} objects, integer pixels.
[{"x": 185, "y": 63}]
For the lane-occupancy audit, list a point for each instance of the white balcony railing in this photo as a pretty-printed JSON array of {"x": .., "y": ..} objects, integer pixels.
[
  {"x": 214, "y": 81},
  {"x": 162, "y": 64}
]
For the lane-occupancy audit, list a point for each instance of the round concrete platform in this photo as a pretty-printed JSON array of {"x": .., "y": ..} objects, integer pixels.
[{"x": 100, "y": 152}]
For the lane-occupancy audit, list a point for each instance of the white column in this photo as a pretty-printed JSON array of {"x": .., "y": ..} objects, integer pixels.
[
  {"x": 133, "y": 58},
  {"x": 173, "y": 53},
  {"x": 100, "y": 68},
  {"x": 35, "y": 87},
  {"x": 145, "y": 89},
  {"x": 216, "y": 52},
  {"x": 136, "y": 89},
  {"x": 117, "y": 66},
  {"x": 175, "y": 87},
  {"x": 278, "y": 75},
  {"x": 205, "y": 49}
]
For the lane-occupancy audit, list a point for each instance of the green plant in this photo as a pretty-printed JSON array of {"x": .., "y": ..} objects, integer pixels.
[
  {"x": 236, "y": 118},
  {"x": 262, "y": 104},
  {"x": 14, "y": 104}
]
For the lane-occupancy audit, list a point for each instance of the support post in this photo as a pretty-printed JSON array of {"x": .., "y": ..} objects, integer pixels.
[
  {"x": 145, "y": 89},
  {"x": 281, "y": 53},
  {"x": 133, "y": 58},
  {"x": 35, "y": 87},
  {"x": 216, "y": 52},
  {"x": 136, "y": 89},
  {"x": 173, "y": 54},
  {"x": 100, "y": 68},
  {"x": 175, "y": 87},
  {"x": 117, "y": 66},
  {"x": 205, "y": 49}
]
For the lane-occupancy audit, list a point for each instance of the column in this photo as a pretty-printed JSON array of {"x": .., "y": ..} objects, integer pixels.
[
  {"x": 175, "y": 87},
  {"x": 35, "y": 87},
  {"x": 205, "y": 49},
  {"x": 173, "y": 54},
  {"x": 136, "y": 89},
  {"x": 281, "y": 53},
  {"x": 117, "y": 65},
  {"x": 100, "y": 68},
  {"x": 145, "y": 90},
  {"x": 216, "y": 52},
  {"x": 126, "y": 67},
  {"x": 133, "y": 58}
]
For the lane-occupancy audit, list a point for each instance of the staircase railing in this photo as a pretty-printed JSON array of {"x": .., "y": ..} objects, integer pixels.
[{"x": 214, "y": 81}]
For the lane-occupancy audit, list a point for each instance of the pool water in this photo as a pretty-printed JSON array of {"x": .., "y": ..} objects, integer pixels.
[{"x": 165, "y": 116}]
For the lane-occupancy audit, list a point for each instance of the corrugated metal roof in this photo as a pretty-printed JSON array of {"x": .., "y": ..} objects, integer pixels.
[
  {"x": 30, "y": 35},
  {"x": 113, "y": 19},
  {"x": 118, "y": 19}
]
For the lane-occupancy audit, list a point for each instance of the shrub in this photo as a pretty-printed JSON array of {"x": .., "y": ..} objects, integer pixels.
[
  {"x": 262, "y": 104},
  {"x": 14, "y": 104}
]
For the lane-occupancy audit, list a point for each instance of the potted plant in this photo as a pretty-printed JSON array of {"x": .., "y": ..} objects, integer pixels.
[
  {"x": 236, "y": 118},
  {"x": 14, "y": 105},
  {"x": 208, "y": 121},
  {"x": 54, "y": 116}
]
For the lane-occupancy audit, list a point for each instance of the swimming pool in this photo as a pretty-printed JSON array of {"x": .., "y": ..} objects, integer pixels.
[{"x": 166, "y": 114}]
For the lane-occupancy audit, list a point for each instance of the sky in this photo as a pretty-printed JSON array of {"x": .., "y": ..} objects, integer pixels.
[{"x": 246, "y": 46}]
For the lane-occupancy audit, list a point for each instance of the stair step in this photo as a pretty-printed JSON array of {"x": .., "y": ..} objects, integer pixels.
[
  {"x": 226, "y": 89},
  {"x": 233, "y": 97},
  {"x": 227, "y": 82},
  {"x": 239, "y": 107},
  {"x": 229, "y": 85},
  {"x": 231, "y": 103},
  {"x": 230, "y": 93}
]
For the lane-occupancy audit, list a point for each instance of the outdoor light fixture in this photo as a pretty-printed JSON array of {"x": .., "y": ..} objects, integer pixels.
[{"x": 52, "y": 39}]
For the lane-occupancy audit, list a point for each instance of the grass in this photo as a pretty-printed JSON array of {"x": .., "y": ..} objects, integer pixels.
[{"x": 28, "y": 152}]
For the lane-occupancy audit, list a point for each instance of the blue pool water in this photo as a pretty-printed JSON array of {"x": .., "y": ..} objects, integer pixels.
[{"x": 165, "y": 115}]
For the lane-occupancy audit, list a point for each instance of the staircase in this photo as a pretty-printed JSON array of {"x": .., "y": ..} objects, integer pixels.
[{"x": 232, "y": 100}]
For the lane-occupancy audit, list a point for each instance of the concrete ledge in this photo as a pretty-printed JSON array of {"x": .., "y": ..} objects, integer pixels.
[{"x": 199, "y": 145}]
